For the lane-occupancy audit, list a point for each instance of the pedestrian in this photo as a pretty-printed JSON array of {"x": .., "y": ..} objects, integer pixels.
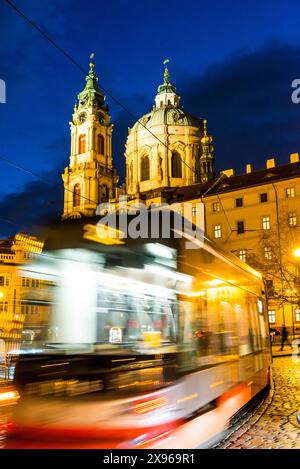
[{"x": 284, "y": 336}]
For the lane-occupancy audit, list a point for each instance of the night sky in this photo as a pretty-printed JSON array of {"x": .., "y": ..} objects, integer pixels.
[{"x": 233, "y": 63}]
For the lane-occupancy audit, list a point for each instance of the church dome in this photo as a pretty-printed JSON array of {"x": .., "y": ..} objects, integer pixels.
[
  {"x": 166, "y": 115},
  {"x": 164, "y": 148}
]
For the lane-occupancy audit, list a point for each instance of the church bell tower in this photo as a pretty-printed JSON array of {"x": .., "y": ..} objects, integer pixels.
[{"x": 90, "y": 178}]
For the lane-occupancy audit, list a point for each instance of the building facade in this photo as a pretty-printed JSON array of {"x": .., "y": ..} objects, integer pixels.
[
  {"x": 256, "y": 216},
  {"x": 18, "y": 312}
]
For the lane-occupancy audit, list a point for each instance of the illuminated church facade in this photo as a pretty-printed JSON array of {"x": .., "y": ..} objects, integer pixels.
[{"x": 165, "y": 148}]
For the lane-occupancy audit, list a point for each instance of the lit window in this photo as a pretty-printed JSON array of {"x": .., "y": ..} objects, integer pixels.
[
  {"x": 194, "y": 211},
  {"x": 216, "y": 207},
  {"x": 81, "y": 143},
  {"x": 239, "y": 202},
  {"x": 266, "y": 225},
  {"x": 240, "y": 227},
  {"x": 272, "y": 316},
  {"x": 4, "y": 281},
  {"x": 76, "y": 195},
  {"x": 3, "y": 306},
  {"x": 243, "y": 255},
  {"x": 292, "y": 219},
  {"x": 217, "y": 231},
  {"x": 297, "y": 315},
  {"x": 290, "y": 192},
  {"x": 268, "y": 252},
  {"x": 263, "y": 197}
]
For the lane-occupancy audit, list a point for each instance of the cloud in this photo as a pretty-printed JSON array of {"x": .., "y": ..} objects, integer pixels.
[
  {"x": 247, "y": 101},
  {"x": 37, "y": 203}
]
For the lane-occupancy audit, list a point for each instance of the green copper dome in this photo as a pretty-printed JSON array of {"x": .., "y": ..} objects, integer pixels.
[{"x": 167, "y": 116}]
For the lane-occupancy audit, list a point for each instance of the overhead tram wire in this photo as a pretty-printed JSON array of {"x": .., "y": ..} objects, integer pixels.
[{"x": 74, "y": 62}]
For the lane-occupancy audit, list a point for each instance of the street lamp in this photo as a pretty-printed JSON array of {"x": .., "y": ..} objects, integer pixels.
[
  {"x": 1, "y": 295},
  {"x": 297, "y": 252}
]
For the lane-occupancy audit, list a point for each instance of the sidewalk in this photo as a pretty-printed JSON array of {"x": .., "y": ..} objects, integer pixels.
[{"x": 286, "y": 352}]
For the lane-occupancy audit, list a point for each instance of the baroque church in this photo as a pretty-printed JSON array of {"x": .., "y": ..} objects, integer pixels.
[{"x": 166, "y": 149}]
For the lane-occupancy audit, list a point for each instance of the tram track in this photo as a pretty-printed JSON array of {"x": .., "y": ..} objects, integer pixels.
[{"x": 248, "y": 416}]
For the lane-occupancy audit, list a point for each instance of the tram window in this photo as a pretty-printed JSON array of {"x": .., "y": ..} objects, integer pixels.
[
  {"x": 128, "y": 318},
  {"x": 209, "y": 326}
]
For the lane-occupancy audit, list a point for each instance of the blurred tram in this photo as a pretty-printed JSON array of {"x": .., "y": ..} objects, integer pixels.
[{"x": 147, "y": 344}]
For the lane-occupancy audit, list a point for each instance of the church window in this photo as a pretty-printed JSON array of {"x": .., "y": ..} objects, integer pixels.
[
  {"x": 81, "y": 144},
  {"x": 76, "y": 195},
  {"x": 104, "y": 193},
  {"x": 145, "y": 169},
  {"x": 100, "y": 144},
  {"x": 176, "y": 165}
]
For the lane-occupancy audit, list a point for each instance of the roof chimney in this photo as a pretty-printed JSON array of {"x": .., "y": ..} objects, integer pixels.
[
  {"x": 248, "y": 168},
  {"x": 294, "y": 158},
  {"x": 228, "y": 172},
  {"x": 271, "y": 163}
]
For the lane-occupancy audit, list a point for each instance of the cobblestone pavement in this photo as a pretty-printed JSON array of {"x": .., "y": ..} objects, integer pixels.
[{"x": 273, "y": 425}]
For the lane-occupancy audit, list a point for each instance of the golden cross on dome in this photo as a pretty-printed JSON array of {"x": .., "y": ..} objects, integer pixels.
[{"x": 92, "y": 65}]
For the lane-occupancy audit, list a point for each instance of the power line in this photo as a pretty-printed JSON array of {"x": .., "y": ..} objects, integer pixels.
[
  {"x": 28, "y": 171},
  {"x": 74, "y": 62}
]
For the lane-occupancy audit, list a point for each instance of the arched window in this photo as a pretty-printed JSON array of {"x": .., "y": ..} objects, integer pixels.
[
  {"x": 81, "y": 144},
  {"x": 176, "y": 165},
  {"x": 76, "y": 195},
  {"x": 104, "y": 193},
  {"x": 145, "y": 169},
  {"x": 100, "y": 144}
]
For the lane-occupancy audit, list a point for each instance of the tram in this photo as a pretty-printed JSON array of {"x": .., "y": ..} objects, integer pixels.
[{"x": 146, "y": 343}]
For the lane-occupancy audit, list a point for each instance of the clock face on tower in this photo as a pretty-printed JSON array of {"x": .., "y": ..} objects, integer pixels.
[{"x": 82, "y": 117}]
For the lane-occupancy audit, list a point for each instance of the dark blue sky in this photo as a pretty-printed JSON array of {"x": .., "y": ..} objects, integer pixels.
[{"x": 232, "y": 62}]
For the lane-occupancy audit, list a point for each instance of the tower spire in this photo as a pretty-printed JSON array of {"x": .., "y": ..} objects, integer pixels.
[
  {"x": 166, "y": 74},
  {"x": 166, "y": 92},
  {"x": 207, "y": 170},
  {"x": 91, "y": 95},
  {"x": 92, "y": 64}
]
